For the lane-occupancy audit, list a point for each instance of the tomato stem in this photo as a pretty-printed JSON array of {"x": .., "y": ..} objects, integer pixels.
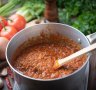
[{"x": 10, "y": 20}]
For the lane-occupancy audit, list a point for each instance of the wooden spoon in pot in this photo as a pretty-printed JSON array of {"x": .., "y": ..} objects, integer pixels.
[{"x": 61, "y": 62}]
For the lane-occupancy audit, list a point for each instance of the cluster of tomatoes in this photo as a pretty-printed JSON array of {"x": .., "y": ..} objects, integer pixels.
[{"x": 8, "y": 28}]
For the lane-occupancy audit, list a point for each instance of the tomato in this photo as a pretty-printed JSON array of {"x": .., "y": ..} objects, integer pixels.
[
  {"x": 8, "y": 32},
  {"x": 3, "y": 22},
  {"x": 3, "y": 44},
  {"x": 17, "y": 21}
]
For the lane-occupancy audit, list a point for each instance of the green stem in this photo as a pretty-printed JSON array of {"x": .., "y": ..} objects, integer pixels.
[{"x": 9, "y": 19}]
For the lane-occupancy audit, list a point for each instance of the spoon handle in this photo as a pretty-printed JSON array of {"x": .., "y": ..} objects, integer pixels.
[{"x": 61, "y": 62}]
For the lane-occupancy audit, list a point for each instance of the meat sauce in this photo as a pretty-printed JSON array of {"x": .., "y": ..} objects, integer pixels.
[{"x": 37, "y": 60}]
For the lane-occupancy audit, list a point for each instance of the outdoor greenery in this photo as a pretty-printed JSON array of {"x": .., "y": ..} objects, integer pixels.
[{"x": 79, "y": 13}]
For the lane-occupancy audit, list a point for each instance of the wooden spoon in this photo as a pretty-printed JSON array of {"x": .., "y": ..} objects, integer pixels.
[{"x": 61, "y": 62}]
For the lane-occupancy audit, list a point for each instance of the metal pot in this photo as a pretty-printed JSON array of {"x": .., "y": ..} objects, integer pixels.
[{"x": 75, "y": 81}]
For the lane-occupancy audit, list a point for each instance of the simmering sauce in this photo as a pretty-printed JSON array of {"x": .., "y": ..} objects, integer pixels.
[{"x": 37, "y": 60}]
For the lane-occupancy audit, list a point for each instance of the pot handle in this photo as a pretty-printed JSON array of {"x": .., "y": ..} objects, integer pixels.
[{"x": 91, "y": 37}]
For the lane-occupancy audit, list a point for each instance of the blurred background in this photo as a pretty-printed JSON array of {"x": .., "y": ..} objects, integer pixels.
[{"x": 77, "y": 13}]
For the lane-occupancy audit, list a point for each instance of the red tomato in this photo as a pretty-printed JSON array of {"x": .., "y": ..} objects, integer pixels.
[
  {"x": 3, "y": 44},
  {"x": 3, "y": 22},
  {"x": 17, "y": 21},
  {"x": 8, "y": 32}
]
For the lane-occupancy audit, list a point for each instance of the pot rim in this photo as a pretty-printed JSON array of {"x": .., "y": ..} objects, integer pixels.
[{"x": 36, "y": 79}]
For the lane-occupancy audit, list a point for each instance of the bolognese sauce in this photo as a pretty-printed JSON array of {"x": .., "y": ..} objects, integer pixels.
[{"x": 37, "y": 60}]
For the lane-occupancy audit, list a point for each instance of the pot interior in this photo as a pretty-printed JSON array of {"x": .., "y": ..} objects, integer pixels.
[{"x": 36, "y": 31}]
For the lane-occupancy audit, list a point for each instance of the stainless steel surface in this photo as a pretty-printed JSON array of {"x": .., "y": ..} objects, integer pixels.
[
  {"x": 92, "y": 37},
  {"x": 16, "y": 87},
  {"x": 75, "y": 81}
]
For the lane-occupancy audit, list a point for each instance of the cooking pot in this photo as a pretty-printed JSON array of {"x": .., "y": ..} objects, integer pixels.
[{"x": 76, "y": 81}]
